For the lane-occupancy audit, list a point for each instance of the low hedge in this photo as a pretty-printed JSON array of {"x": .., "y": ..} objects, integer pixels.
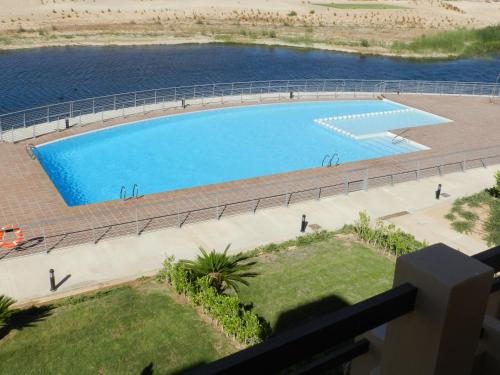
[
  {"x": 386, "y": 237},
  {"x": 234, "y": 318}
]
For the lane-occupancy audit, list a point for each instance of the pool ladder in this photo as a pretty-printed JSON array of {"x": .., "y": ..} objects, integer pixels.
[
  {"x": 135, "y": 192},
  {"x": 329, "y": 159},
  {"x": 29, "y": 149},
  {"x": 398, "y": 138}
]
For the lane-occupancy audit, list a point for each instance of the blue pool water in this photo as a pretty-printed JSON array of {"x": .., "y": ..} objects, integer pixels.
[{"x": 207, "y": 147}]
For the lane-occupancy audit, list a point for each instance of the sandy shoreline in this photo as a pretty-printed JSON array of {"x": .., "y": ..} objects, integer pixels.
[
  {"x": 200, "y": 41},
  {"x": 354, "y": 26}
]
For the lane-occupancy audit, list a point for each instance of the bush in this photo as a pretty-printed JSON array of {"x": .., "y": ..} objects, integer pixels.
[
  {"x": 497, "y": 187},
  {"x": 386, "y": 237},
  {"x": 292, "y": 13},
  {"x": 492, "y": 226},
  {"x": 234, "y": 318},
  {"x": 364, "y": 43},
  {"x": 5, "y": 307}
]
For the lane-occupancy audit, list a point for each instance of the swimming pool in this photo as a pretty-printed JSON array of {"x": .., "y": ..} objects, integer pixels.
[{"x": 212, "y": 146}]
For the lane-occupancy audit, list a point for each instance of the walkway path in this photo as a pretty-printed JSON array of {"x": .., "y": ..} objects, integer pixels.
[{"x": 91, "y": 266}]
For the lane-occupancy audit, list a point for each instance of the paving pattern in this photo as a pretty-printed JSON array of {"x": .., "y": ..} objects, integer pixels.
[{"x": 29, "y": 199}]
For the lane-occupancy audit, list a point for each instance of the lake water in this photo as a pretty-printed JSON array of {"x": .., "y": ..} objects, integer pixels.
[{"x": 30, "y": 78}]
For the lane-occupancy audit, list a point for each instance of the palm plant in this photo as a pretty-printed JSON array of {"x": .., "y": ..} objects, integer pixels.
[
  {"x": 223, "y": 271},
  {"x": 5, "y": 311}
]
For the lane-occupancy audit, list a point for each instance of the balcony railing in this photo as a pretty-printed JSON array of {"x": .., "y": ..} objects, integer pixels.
[
  {"x": 334, "y": 339},
  {"x": 30, "y": 123}
]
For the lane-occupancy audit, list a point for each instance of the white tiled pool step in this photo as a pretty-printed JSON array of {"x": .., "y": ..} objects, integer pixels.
[
  {"x": 327, "y": 122},
  {"x": 385, "y": 146},
  {"x": 367, "y": 114},
  {"x": 327, "y": 125}
]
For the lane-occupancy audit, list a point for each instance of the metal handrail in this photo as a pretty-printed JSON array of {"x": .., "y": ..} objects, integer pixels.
[
  {"x": 398, "y": 138},
  {"x": 282, "y": 351},
  {"x": 352, "y": 185},
  {"x": 99, "y": 105},
  {"x": 29, "y": 149},
  {"x": 123, "y": 193},
  {"x": 135, "y": 191}
]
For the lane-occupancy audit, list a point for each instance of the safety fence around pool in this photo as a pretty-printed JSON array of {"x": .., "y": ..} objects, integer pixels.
[
  {"x": 135, "y": 216},
  {"x": 31, "y": 123}
]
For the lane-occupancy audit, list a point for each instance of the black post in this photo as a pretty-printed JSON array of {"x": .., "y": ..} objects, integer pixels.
[
  {"x": 52, "y": 280},
  {"x": 438, "y": 191},
  {"x": 291, "y": 94},
  {"x": 183, "y": 103},
  {"x": 67, "y": 123},
  {"x": 303, "y": 224}
]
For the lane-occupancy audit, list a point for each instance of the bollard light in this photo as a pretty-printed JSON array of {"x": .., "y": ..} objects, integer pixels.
[
  {"x": 52, "y": 280},
  {"x": 438, "y": 191},
  {"x": 303, "y": 224}
]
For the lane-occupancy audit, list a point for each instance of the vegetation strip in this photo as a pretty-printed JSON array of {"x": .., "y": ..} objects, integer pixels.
[{"x": 479, "y": 212}]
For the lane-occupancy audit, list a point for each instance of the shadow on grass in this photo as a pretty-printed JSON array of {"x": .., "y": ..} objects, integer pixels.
[
  {"x": 148, "y": 370},
  {"x": 308, "y": 312},
  {"x": 21, "y": 319},
  {"x": 192, "y": 366}
]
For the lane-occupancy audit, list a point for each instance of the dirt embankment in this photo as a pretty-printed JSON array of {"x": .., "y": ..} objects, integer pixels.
[{"x": 363, "y": 26}]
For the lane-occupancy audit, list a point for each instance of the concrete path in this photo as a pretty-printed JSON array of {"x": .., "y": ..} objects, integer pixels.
[{"x": 92, "y": 266}]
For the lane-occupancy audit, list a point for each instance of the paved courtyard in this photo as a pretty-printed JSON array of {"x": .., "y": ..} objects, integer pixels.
[
  {"x": 91, "y": 266},
  {"x": 29, "y": 199}
]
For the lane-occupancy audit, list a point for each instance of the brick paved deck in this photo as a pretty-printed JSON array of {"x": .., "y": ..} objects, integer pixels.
[{"x": 29, "y": 199}]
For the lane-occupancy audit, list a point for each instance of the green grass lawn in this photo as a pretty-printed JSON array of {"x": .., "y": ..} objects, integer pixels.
[
  {"x": 142, "y": 327},
  {"x": 360, "y": 6},
  {"x": 122, "y": 332},
  {"x": 295, "y": 286}
]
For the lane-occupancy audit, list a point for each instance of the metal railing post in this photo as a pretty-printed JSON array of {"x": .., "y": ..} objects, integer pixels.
[
  {"x": 178, "y": 216},
  {"x": 136, "y": 221},
  {"x": 365, "y": 180},
  {"x": 44, "y": 239},
  {"x": 175, "y": 94}
]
